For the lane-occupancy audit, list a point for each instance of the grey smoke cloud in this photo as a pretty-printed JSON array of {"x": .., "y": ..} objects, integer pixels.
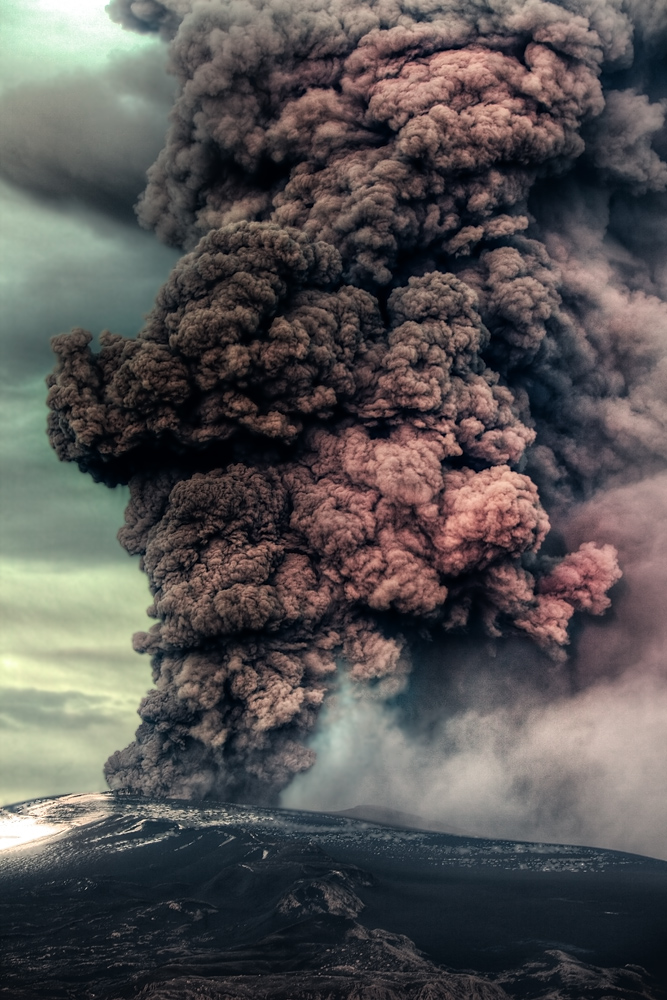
[
  {"x": 586, "y": 768},
  {"x": 620, "y": 143},
  {"x": 597, "y": 386},
  {"x": 87, "y": 135},
  {"x": 580, "y": 760},
  {"x": 407, "y": 319},
  {"x": 633, "y": 640}
]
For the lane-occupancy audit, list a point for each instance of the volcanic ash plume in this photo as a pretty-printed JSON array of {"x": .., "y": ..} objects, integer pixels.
[{"x": 383, "y": 339}]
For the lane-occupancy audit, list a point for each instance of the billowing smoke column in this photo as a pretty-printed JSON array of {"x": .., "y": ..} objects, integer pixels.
[{"x": 380, "y": 343}]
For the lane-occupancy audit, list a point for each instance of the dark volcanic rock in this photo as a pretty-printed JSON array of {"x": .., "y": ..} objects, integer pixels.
[
  {"x": 130, "y": 898},
  {"x": 300, "y": 986}
]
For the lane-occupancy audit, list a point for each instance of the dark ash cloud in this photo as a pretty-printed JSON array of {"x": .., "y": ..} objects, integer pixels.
[{"x": 403, "y": 324}]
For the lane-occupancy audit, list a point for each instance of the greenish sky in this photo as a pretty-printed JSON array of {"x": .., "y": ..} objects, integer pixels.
[
  {"x": 41, "y": 37},
  {"x": 73, "y": 150}
]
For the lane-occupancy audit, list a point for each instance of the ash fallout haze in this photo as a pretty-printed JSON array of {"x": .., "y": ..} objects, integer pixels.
[{"x": 395, "y": 429}]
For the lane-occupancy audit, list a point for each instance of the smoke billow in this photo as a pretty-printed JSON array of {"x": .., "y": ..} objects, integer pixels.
[{"x": 407, "y": 317}]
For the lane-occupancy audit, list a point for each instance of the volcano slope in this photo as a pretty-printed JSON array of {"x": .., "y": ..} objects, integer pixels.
[{"x": 128, "y": 898}]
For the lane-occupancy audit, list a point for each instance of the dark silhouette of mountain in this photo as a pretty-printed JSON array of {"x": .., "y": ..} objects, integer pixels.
[{"x": 130, "y": 899}]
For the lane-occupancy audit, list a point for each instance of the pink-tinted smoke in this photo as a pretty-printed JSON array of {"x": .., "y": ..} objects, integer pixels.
[{"x": 378, "y": 351}]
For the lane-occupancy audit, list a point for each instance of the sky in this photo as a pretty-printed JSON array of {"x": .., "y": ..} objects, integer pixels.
[
  {"x": 70, "y": 254},
  {"x": 83, "y": 111}
]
